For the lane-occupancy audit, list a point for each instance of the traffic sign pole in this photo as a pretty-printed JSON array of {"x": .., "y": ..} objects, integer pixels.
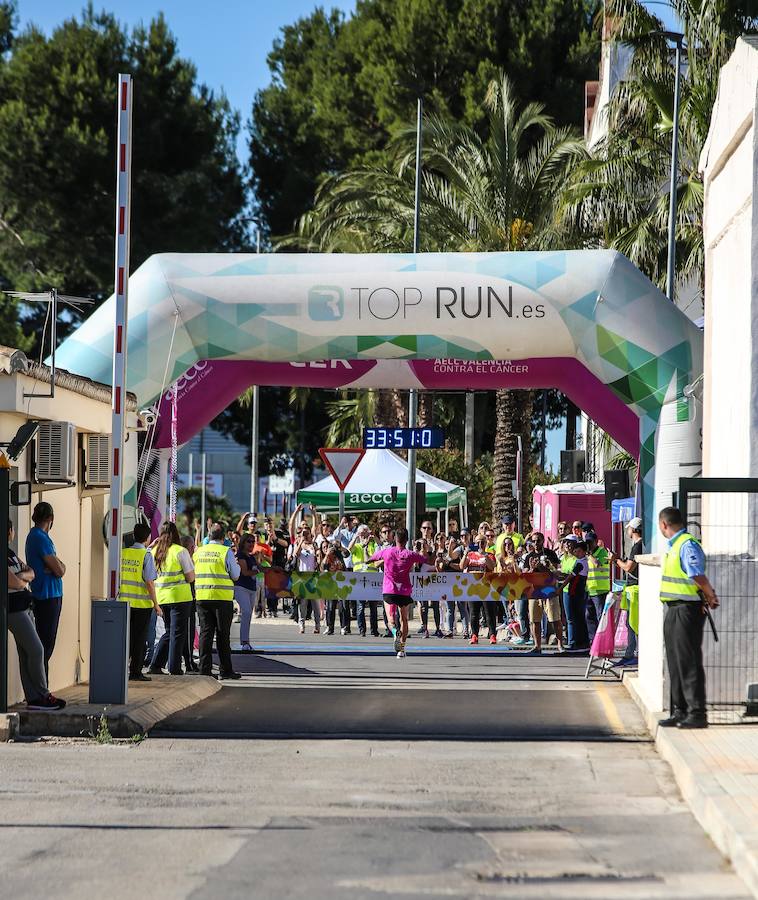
[{"x": 342, "y": 504}]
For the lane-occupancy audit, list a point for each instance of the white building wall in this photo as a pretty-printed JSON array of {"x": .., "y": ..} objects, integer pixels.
[
  {"x": 78, "y": 529},
  {"x": 728, "y": 162}
]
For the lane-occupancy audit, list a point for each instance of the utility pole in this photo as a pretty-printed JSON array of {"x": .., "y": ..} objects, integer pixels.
[
  {"x": 410, "y": 518},
  {"x": 670, "y": 269},
  {"x": 254, "y": 450},
  {"x": 468, "y": 433},
  {"x": 255, "y": 425},
  {"x": 677, "y": 39}
]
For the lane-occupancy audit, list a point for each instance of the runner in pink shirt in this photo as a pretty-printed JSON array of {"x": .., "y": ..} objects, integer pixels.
[{"x": 396, "y": 589}]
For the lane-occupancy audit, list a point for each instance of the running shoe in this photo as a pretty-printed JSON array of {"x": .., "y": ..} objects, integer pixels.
[
  {"x": 301, "y": 626},
  {"x": 421, "y": 630},
  {"x": 401, "y": 654},
  {"x": 343, "y": 630},
  {"x": 518, "y": 641},
  {"x": 438, "y": 633},
  {"x": 47, "y": 704},
  {"x": 425, "y": 633},
  {"x": 449, "y": 636},
  {"x": 493, "y": 639},
  {"x": 399, "y": 642},
  {"x": 316, "y": 629},
  {"x": 474, "y": 639},
  {"x": 246, "y": 647}
]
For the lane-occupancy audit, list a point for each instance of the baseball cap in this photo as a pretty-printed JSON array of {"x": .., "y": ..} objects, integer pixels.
[
  {"x": 570, "y": 539},
  {"x": 251, "y": 520},
  {"x": 508, "y": 520},
  {"x": 635, "y": 524}
]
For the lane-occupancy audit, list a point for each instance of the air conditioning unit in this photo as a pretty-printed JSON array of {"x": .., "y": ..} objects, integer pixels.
[
  {"x": 55, "y": 453},
  {"x": 97, "y": 461}
]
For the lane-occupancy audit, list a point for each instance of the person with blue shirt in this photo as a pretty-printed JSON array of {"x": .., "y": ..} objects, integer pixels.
[
  {"x": 47, "y": 586},
  {"x": 688, "y": 594}
]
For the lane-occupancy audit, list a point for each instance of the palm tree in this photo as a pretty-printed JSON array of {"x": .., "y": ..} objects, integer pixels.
[
  {"x": 620, "y": 195},
  {"x": 494, "y": 191}
]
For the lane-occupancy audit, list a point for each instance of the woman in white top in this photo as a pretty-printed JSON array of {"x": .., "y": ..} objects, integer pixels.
[{"x": 305, "y": 556}]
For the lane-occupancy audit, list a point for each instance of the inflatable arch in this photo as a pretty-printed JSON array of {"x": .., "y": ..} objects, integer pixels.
[{"x": 586, "y": 321}]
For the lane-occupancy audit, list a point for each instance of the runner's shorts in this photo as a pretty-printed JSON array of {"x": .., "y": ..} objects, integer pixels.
[
  {"x": 550, "y": 605},
  {"x": 398, "y": 599}
]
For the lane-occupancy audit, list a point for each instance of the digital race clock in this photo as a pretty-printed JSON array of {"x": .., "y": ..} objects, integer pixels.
[{"x": 403, "y": 438}]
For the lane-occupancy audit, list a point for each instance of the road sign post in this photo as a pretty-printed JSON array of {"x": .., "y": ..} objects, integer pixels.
[{"x": 342, "y": 463}]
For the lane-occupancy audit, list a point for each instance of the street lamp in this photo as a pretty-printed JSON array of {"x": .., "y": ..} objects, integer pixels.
[
  {"x": 676, "y": 38},
  {"x": 410, "y": 517}
]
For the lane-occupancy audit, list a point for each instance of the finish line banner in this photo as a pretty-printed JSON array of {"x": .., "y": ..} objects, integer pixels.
[{"x": 427, "y": 586}]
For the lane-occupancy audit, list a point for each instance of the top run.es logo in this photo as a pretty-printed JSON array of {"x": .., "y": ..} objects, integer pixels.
[{"x": 326, "y": 303}]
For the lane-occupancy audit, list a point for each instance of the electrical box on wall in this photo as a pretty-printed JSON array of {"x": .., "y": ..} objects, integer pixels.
[{"x": 55, "y": 453}]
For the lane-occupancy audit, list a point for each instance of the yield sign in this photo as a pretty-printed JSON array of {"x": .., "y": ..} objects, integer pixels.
[{"x": 341, "y": 462}]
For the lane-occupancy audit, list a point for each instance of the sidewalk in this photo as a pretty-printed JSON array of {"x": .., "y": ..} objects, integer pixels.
[
  {"x": 148, "y": 703},
  {"x": 717, "y": 772}
]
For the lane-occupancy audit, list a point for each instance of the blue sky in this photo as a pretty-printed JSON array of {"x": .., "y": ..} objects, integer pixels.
[{"x": 228, "y": 42}]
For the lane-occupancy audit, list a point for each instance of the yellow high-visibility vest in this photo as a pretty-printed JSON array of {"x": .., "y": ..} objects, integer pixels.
[
  {"x": 133, "y": 587},
  {"x": 212, "y": 581},
  {"x": 361, "y": 556},
  {"x": 170, "y": 585},
  {"x": 598, "y": 576},
  {"x": 516, "y": 537},
  {"x": 676, "y": 584}
]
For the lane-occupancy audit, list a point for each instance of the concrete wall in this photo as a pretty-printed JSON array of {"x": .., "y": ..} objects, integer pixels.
[{"x": 78, "y": 528}]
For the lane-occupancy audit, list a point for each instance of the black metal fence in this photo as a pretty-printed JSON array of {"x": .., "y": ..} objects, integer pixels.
[{"x": 723, "y": 514}]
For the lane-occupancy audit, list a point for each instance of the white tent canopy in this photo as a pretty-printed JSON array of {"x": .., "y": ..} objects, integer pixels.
[{"x": 370, "y": 488}]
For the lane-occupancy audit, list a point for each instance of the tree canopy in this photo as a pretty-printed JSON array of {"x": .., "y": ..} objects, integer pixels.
[
  {"x": 57, "y": 146},
  {"x": 340, "y": 87}
]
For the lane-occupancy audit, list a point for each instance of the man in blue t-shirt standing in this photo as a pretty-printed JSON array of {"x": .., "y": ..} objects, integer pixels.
[{"x": 47, "y": 586}]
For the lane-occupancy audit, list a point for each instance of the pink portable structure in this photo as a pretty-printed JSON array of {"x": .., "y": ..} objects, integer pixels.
[{"x": 554, "y": 503}]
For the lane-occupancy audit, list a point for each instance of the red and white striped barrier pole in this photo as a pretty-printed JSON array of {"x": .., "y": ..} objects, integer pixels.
[{"x": 123, "y": 215}]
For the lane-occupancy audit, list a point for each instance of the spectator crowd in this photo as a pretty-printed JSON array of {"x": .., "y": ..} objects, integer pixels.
[{"x": 186, "y": 590}]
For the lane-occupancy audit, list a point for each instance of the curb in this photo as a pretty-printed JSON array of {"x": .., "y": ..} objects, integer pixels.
[
  {"x": 124, "y": 721},
  {"x": 8, "y": 727},
  {"x": 733, "y": 831}
]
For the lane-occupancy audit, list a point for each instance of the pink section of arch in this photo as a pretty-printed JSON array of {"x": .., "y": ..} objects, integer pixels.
[{"x": 210, "y": 386}]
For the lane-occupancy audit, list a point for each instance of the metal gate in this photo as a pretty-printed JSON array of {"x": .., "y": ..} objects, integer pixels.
[{"x": 723, "y": 514}]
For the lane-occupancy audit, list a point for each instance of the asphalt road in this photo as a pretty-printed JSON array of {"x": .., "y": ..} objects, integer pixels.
[
  {"x": 552, "y": 814},
  {"x": 334, "y": 686}
]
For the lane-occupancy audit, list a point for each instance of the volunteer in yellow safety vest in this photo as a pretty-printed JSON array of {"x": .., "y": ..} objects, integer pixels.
[
  {"x": 631, "y": 593},
  {"x": 361, "y": 549},
  {"x": 216, "y": 570},
  {"x": 598, "y": 581},
  {"x": 688, "y": 594},
  {"x": 174, "y": 592},
  {"x": 509, "y": 530},
  {"x": 138, "y": 576}
]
